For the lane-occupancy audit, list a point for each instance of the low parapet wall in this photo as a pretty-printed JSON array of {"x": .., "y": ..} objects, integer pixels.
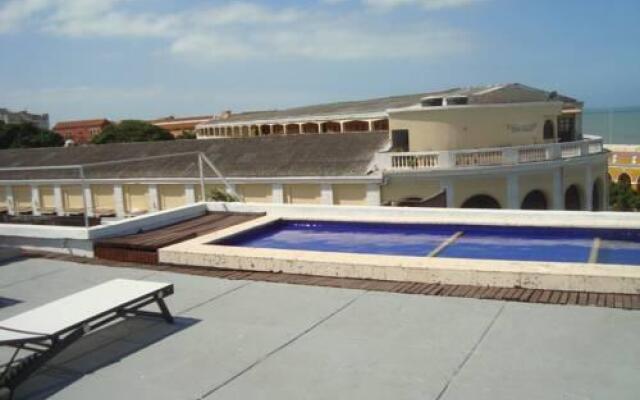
[{"x": 79, "y": 240}]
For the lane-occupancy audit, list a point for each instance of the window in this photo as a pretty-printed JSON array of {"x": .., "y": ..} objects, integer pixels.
[
  {"x": 566, "y": 128},
  {"x": 548, "y": 131},
  {"x": 432, "y": 102},
  {"x": 400, "y": 139},
  {"x": 457, "y": 101}
]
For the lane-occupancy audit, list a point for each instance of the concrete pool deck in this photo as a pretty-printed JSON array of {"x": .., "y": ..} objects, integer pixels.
[{"x": 236, "y": 339}]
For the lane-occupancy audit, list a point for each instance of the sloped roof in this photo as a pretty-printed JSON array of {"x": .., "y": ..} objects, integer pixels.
[
  {"x": 264, "y": 156},
  {"x": 489, "y": 94},
  {"x": 87, "y": 123}
]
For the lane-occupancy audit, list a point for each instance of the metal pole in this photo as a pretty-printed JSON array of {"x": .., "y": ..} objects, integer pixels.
[
  {"x": 201, "y": 168},
  {"x": 219, "y": 174},
  {"x": 84, "y": 198}
]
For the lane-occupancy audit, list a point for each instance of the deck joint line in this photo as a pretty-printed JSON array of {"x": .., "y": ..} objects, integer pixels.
[
  {"x": 445, "y": 244},
  {"x": 470, "y": 353},
  {"x": 283, "y": 346}
]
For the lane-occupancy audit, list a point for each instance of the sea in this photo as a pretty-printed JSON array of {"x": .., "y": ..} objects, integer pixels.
[{"x": 615, "y": 125}]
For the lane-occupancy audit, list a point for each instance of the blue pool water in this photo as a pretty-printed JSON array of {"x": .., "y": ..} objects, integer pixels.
[{"x": 479, "y": 242}]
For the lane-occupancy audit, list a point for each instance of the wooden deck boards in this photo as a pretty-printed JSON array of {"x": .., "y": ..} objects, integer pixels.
[
  {"x": 557, "y": 297},
  {"x": 143, "y": 247}
]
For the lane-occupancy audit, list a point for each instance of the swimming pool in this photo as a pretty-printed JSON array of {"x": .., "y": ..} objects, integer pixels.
[{"x": 605, "y": 246}]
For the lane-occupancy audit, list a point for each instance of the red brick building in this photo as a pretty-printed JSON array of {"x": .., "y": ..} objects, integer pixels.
[{"x": 81, "y": 131}]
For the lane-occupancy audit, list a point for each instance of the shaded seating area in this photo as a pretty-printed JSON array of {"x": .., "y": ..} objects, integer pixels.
[
  {"x": 143, "y": 247},
  {"x": 47, "y": 330}
]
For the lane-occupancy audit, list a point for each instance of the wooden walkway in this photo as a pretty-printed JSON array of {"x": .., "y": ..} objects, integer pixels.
[
  {"x": 559, "y": 297},
  {"x": 143, "y": 247}
]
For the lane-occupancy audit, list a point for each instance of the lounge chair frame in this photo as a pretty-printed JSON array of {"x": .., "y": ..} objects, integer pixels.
[{"x": 45, "y": 347}]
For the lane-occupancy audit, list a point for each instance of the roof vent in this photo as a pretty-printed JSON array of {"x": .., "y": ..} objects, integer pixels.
[{"x": 431, "y": 101}]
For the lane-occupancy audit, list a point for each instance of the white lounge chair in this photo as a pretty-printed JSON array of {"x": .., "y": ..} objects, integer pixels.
[{"x": 49, "y": 329}]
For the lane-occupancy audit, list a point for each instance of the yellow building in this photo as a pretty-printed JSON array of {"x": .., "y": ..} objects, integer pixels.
[
  {"x": 503, "y": 146},
  {"x": 624, "y": 164}
]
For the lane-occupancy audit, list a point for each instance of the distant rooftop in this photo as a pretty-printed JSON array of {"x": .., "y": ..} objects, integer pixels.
[{"x": 488, "y": 94}]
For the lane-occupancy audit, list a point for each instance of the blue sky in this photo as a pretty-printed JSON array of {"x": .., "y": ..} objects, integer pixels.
[{"x": 151, "y": 58}]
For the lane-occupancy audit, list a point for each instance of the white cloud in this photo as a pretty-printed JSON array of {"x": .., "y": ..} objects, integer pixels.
[
  {"x": 242, "y": 30},
  {"x": 426, "y": 4}
]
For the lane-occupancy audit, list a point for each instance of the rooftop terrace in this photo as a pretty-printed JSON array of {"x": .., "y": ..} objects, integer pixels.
[{"x": 237, "y": 339}]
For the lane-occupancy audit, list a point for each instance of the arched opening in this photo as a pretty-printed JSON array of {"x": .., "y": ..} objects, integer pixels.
[
  {"x": 330, "y": 127},
  {"x": 265, "y": 130},
  {"x": 278, "y": 129},
  {"x": 624, "y": 179},
  {"x": 255, "y": 130},
  {"x": 310, "y": 127},
  {"x": 535, "y": 200},
  {"x": 293, "y": 129},
  {"x": 245, "y": 131},
  {"x": 548, "y": 132},
  {"x": 481, "y": 201},
  {"x": 236, "y": 131},
  {"x": 596, "y": 195},
  {"x": 381, "y": 125},
  {"x": 572, "y": 198},
  {"x": 356, "y": 126}
]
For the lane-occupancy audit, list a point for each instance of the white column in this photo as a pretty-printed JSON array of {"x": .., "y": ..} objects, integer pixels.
[
  {"x": 558, "y": 190},
  {"x": 35, "y": 200},
  {"x": 86, "y": 191},
  {"x": 190, "y": 193},
  {"x": 326, "y": 194},
  {"x": 118, "y": 200},
  {"x": 513, "y": 192},
  {"x": 605, "y": 193},
  {"x": 319, "y": 127},
  {"x": 341, "y": 126},
  {"x": 154, "y": 202},
  {"x": 447, "y": 186},
  {"x": 277, "y": 193},
  {"x": 374, "y": 197},
  {"x": 231, "y": 189},
  {"x": 11, "y": 204},
  {"x": 370, "y": 126},
  {"x": 57, "y": 199},
  {"x": 300, "y": 128},
  {"x": 588, "y": 189}
]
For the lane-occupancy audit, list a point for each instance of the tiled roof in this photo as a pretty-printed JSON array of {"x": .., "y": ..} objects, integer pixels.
[
  {"x": 264, "y": 156},
  {"x": 88, "y": 123}
]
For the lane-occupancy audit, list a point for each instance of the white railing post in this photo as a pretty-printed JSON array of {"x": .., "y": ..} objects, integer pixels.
[
  {"x": 277, "y": 193},
  {"x": 326, "y": 194},
  {"x": 10, "y": 199},
  {"x": 153, "y": 199},
  {"x": 118, "y": 200},
  {"x": 510, "y": 156},
  {"x": 446, "y": 159},
  {"x": 57, "y": 199},
  {"x": 374, "y": 197},
  {"x": 35, "y": 200}
]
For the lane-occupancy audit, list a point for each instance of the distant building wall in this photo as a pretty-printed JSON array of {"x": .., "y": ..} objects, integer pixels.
[
  {"x": 39, "y": 120},
  {"x": 454, "y": 128}
]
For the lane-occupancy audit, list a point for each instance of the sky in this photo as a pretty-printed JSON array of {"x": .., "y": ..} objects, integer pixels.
[{"x": 144, "y": 59}]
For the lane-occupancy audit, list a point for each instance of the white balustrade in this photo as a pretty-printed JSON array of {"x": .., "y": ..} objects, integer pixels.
[{"x": 490, "y": 156}]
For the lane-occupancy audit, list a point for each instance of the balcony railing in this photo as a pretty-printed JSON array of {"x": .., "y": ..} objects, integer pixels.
[{"x": 489, "y": 156}]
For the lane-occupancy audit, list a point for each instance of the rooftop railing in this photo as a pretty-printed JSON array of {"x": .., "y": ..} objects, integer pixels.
[{"x": 427, "y": 160}]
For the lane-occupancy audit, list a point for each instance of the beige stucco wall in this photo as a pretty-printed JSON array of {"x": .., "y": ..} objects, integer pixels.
[
  {"x": 255, "y": 193},
  {"x": 22, "y": 198},
  {"x": 72, "y": 198},
  {"x": 171, "y": 196},
  {"x": 463, "y": 127},
  {"x": 350, "y": 194},
  {"x": 302, "y": 194},
  {"x": 47, "y": 199},
  {"x": 135, "y": 198},
  {"x": 399, "y": 188},
  {"x": 496, "y": 187},
  {"x": 102, "y": 196}
]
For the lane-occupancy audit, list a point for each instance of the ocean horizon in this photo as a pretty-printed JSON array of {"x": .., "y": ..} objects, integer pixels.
[{"x": 615, "y": 125}]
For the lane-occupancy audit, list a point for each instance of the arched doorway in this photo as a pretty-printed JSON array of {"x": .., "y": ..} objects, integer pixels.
[
  {"x": 596, "y": 195},
  {"x": 624, "y": 179},
  {"x": 535, "y": 200},
  {"x": 548, "y": 132},
  {"x": 481, "y": 201},
  {"x": 572, "y": 198}
]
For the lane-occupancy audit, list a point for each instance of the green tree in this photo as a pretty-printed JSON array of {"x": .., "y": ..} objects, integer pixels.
[
  {"x": 13, "y": 136},
  {"x": 220, "y": 195},
  {"x": 623, "y": 198},
  {"x": 187, "y": 135},
  {"x": 131, "y": 131}
]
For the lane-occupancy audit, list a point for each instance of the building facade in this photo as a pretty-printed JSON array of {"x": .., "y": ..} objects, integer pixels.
[
  {"x": 39, "y": 120},
  {"x": 180, "y": 126},
  {"x": 81, "y": 132},
  {"x": 506, "y": 146},
  {"x": 624, "y": 165}
]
